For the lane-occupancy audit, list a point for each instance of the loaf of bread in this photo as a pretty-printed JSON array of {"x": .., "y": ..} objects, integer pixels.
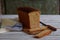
[{"x": 29, "y": 17}]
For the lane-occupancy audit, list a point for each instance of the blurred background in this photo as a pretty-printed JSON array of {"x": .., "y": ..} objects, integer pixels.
[{"x": 47, "y": 7}]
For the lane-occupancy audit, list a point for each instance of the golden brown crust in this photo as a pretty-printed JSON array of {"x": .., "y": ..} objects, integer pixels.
[{"x": 43, "y": 33}]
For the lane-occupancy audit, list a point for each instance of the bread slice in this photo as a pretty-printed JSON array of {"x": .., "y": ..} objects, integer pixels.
[{"x": 43, "y": 33}]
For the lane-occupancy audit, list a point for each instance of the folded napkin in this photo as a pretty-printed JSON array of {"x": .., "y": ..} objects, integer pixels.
[{"x": 16, "y": 27}]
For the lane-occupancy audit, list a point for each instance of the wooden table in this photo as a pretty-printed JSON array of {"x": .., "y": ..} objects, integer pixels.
[{"x": 53, "y": 20}]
